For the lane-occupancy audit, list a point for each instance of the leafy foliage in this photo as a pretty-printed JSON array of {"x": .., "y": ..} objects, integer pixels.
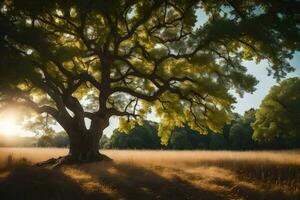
[{"x": 279, "y": 114}]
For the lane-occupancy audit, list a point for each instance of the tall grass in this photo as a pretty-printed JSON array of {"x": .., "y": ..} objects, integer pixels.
[{"x": 180, "y": 174}]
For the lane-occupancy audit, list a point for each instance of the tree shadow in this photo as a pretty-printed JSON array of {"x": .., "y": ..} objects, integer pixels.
[
  {"x": 108, "y": 181},
  {"x": 34, "y": 183},
  {"x": 134, "y": 183}
]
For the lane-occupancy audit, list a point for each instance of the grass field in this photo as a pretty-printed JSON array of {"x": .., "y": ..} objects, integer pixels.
[{"x": 142, "y": 175}]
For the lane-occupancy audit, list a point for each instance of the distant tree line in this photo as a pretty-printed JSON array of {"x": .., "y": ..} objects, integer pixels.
[
  {"x": 59, "y": 139},
  {"x": 52, "y": 139},
  {"x": 238, "y": 135}
]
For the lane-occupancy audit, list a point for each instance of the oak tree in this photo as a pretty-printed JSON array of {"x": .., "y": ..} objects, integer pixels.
[{"x": 94, "y": 59}]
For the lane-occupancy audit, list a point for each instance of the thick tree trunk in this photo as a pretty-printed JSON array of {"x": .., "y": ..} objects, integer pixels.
[
  {"x": 84, "y": 147},
  {"x": 84, "y": 144}
]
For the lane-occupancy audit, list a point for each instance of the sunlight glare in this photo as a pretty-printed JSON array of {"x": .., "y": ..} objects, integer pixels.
[{"x": 8, "y": 125}]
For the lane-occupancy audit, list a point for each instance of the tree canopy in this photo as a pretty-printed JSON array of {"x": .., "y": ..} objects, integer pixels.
[
  {"x": 78, "y": 60},
  {"x": 278, "y": 117}
]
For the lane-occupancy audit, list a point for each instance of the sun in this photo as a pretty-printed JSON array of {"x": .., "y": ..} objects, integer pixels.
[{"x": 8, "y": 125}]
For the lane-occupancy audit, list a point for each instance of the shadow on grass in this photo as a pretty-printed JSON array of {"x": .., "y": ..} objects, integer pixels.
[
  {"x": 133, "y": 182},
  {"x": 126, "y": 182},
  {"x": 117, "y": 181},
  {"x": 26, "y": 182},
  {"x": 136, "y": 183}
]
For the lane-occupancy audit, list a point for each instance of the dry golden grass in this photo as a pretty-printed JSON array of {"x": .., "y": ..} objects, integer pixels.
[{"x": 164, "y": 175}]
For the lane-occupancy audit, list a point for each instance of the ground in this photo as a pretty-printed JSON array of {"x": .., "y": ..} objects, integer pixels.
[{"x": 207, "y": 175}]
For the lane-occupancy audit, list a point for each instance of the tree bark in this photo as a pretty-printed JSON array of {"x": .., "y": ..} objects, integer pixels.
[
  {"x": 84, "y": 147},
  {"x": 84, "y": 144}
]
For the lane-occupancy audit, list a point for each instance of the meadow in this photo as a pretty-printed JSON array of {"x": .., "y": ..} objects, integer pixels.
[{"x": 210, "y": 175}]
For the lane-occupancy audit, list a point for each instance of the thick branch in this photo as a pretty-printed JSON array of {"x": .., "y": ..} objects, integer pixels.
[{"x": 146, "y": 97}]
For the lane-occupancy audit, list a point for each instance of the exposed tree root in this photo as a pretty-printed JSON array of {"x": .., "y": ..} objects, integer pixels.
[{"x": 69, "y": 160}]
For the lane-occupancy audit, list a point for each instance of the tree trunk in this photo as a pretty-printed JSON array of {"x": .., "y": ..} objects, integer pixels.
[
  {"x": 84, "y": 147},
  {"x": 84, "y": 143}
]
